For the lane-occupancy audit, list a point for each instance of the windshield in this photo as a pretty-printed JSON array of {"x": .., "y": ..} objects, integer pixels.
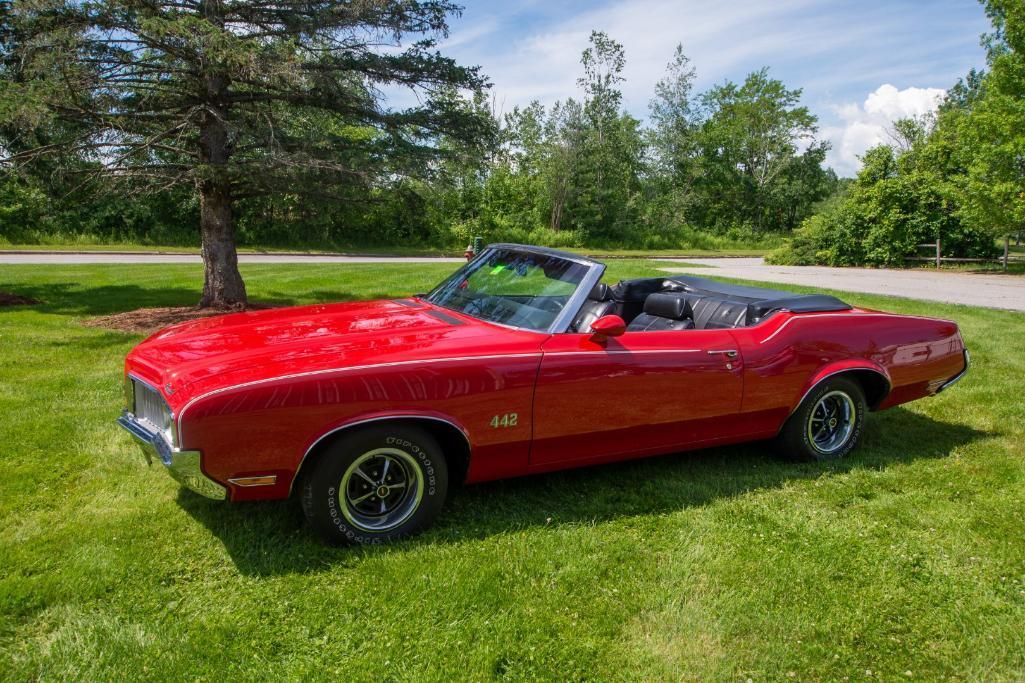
[{"x": 513, "y": 287}]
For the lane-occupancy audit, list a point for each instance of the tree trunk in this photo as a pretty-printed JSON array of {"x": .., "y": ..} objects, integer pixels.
[
  {"x": 222, "y": 286},
  {"x": 555, "y": 221}
]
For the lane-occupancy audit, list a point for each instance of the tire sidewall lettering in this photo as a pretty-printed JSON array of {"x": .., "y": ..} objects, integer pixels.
[
  {"x": 323, "y": 499},
  {"x": 431, "y": 487}
]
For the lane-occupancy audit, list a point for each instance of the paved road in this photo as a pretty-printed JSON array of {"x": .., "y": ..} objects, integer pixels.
[
  {"x": 51, "y": 258},
  {"x": 993, "y": 291}
]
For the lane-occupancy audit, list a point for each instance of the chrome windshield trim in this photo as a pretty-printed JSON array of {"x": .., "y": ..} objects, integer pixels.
[
  {"x": 546, "y": 251},
  {"x": 572, "y": 307},
  {"x": 595, "y": 270}
]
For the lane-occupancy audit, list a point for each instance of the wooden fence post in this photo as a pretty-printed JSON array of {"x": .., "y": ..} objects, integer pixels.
[
  {"x": 1007, "y": 248},
  {"x": 937, "y": 252}
]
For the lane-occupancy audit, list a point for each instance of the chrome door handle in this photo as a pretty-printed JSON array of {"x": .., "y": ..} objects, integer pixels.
[{"x": 729, "y": 353}]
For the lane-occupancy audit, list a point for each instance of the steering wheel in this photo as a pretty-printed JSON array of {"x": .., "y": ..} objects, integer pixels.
[{"x": 478, "y": 307}]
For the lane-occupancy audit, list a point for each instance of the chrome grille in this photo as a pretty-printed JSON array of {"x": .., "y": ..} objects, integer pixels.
[{"x": 151, "y": 407}]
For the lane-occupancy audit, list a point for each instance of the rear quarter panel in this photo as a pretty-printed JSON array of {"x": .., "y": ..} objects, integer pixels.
[{"x": 789, "y": 353}]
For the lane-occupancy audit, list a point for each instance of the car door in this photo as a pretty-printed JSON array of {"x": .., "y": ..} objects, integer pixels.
[{"x": 636, "y": 394}]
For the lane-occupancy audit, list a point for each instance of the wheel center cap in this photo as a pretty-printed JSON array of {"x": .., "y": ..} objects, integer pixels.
[
  {"x": 382, "y": 491},
  {"x": 832, "y": 422}
]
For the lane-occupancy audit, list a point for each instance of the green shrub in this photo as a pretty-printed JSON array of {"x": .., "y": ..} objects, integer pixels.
[
  {"x": 24, "y": 208},
  {"x": 889, "y": 212}
]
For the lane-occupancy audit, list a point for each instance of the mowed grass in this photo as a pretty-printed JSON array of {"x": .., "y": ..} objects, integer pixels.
[{"x": 906, "y": 561}]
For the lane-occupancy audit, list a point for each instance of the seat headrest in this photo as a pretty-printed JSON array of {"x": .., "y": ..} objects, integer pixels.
[
  {"x": 673, "y": 306},
  {"x": 600, "y": 292}
]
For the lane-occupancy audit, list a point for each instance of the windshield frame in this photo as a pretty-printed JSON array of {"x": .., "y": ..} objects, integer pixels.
[{"x": 561, "y": 323}]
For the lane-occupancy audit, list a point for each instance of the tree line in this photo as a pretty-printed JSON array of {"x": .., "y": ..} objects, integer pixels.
[
  {"x": 740, "y": 158},
  {"x": 224, "y": 122}
]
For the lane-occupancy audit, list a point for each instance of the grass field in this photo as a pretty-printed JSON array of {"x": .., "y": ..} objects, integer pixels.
[{"x": 906, "y": 561}]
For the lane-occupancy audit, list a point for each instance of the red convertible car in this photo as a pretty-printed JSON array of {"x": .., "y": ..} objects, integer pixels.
[{"x": 522, "y": 361}]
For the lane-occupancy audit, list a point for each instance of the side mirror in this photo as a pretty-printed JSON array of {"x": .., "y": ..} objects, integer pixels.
[{"x": 607, "y": 326}]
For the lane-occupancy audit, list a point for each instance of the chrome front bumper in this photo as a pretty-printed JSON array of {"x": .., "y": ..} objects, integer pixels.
[{"x": 182, "y": 465}]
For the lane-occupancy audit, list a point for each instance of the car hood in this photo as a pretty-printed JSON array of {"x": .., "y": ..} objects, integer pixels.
[{"x": 210, "y": 353}]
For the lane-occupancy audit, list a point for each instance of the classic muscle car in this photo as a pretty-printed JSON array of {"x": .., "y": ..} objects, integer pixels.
[{"x": 522, "y": 361}]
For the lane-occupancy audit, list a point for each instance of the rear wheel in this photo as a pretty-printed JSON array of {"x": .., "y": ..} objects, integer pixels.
[
  {"x": 828, "y": 424},
  {"x": 377, "y": 484}
]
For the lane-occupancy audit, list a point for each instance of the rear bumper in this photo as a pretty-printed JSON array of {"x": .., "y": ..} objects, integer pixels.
[
  {"x": 956, "y": 378},
  {"x": 182, "y": 465}
]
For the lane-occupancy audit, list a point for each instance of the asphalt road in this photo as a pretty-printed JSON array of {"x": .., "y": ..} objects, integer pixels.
[
  {"x": 973, "y": 289},
  {"x": 994, "y": 291}
]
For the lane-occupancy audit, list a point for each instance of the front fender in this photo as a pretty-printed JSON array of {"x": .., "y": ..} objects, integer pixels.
[{"x": 353, "y": 421}]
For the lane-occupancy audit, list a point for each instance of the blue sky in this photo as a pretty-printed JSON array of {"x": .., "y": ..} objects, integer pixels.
[{"x": 860, "y": 64}]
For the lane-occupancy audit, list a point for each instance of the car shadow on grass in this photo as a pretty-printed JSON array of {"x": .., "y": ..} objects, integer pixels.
[{"x": 266, "y": 539}]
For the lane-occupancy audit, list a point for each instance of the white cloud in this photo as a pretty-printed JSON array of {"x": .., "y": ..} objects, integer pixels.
[
  {"x": 835, "y": 52},
  {"x": 531, "y": 49},
  {"x": 866, "y": 125},
  {"x": 544, "y": 63}
]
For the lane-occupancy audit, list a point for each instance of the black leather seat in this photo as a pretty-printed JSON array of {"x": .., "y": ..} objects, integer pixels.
[
  {"x": 717, "y": 305},
  {"x": 599, "y": 302},
  {"x": 663, "y": 311},
  {"x": 711, "y": 313}
]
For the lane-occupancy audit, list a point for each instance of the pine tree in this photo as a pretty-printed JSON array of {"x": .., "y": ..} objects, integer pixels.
[{"x": 234, "y": 99}]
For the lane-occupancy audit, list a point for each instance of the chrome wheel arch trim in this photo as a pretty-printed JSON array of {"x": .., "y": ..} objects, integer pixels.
[
  {"x": 889, "y": 385},
  {"x": 381, "y": 418}
]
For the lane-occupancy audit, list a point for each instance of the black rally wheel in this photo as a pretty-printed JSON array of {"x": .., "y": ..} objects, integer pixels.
[
  {"x": 376, "y": 484},
  {"x": 828, "y": 424}
]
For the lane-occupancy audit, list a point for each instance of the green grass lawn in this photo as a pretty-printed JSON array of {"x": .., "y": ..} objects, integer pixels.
[
  {"x": 907, "y": 560},
  {"x": 986, "y": 268}
]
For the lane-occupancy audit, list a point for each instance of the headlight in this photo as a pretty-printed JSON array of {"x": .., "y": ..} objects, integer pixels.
[{"x": 149, "y": 406}]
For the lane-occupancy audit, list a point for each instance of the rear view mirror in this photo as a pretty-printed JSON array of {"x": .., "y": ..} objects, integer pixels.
[{"x": 607, "y": 326}]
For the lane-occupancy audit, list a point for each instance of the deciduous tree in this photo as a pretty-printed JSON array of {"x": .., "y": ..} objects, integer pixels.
[
  {"x": 993, "y": 132},
  {"x": 750, "y": 141}
]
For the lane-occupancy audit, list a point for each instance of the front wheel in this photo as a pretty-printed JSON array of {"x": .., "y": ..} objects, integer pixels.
[
  {"x": 828, "y": 424},
  {"x": 377, "y": 484}
]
